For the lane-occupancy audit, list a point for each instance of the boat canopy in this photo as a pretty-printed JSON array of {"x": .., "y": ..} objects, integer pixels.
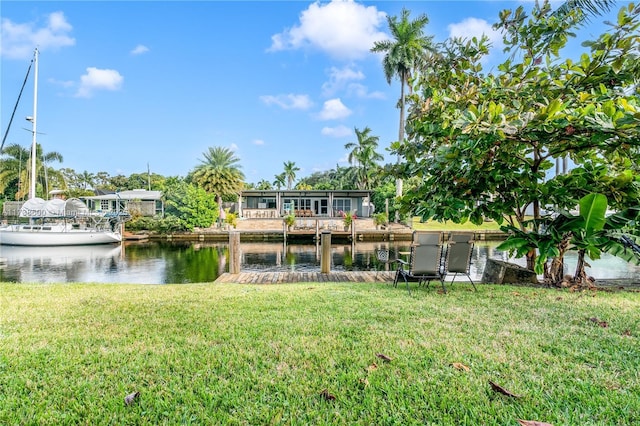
[{"x": 37, "y": 207}]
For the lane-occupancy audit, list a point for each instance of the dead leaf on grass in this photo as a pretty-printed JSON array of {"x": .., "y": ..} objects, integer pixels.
[
  {"x": 327, "y": 396},
  {"x": 364, "y": 382},
  {"x": 384, "y": 357},
  {"x": 500, "y": 389},
  {"x": 533, "y": 423},
  {"x": 460, "y": 366},
  {"x": 372, "y": 367},
  {"x": 627, "y": 333},
  {"x": 602, "y": 324},
  {"x": 131, "y": 398}
]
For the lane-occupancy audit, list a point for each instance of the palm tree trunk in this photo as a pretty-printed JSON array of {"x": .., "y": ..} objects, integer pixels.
[{"x": 400, "y": 139}]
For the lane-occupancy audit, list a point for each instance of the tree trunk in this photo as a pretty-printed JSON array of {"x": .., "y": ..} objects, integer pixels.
[
  {"x": 580, "y": 277},
  {"x": 555, "y": 274},
  {"x": 400, "y": 139}
]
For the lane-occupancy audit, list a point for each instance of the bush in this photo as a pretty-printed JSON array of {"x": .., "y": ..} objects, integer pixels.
[
  {"x": 290, "y": 220},
  {"x": 380, "y": 218},
  {"x": 231, "y": 218}
]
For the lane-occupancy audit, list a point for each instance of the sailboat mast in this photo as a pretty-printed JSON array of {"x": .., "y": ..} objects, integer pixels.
[{"x": 32, "y": 188}]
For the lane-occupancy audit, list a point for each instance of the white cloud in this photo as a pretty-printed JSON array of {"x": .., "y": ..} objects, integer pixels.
[
  {"x": 233, "y": 147},
  {"x": 19, "y": 40},
  {"x": 475, "y": 27},
  {"x": 334, "y": 109},
  {"x": 343, "y": 29},
  {"x": 336, "y": 132},
  {"x": 140, "y": 49},
  {"x": 289, "y": 101},
  {"x": 339, "y": 78},
  {"x": 258, "y": 142},
  {"x": 99, "y": 79}
]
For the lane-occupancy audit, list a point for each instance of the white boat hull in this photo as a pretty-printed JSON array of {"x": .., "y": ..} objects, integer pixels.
[{"x": 55, "y": 235}]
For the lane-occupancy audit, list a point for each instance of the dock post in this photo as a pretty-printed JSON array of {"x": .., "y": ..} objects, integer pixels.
[
  {"x": 325, "y": 257},
  {"x": 234, "y": 252}
]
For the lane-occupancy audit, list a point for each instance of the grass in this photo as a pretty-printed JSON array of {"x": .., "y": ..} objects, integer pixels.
[
  {"x": 434, "y": 225},
  {"x": 262, "y": 354}
]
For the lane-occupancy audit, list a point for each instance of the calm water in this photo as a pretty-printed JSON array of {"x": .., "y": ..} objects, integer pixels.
[{"x": 160, "y": 263}]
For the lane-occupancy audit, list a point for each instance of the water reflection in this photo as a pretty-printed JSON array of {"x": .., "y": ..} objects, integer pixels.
[{"x": 164, "y": 262}]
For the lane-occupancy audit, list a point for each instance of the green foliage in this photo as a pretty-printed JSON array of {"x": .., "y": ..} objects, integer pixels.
[
  {"x": 363, "y": 156},
  {"x": 589, "y": 233},
  {"x": 484, "y": 145},
  {"x": 193, "y": 206},
  {"x": 231, "y": 219},
  {"x": 289, "y": 220},
  {"x": 219, "y": 173},
  {"x": 380, "y": 218},
  {"x": 165, "y": 225},
  {"x": 348, "y": 218}
]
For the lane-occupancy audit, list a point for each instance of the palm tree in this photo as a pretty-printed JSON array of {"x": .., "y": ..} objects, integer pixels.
[
  {"x": 15, "y": 169},
  {"x": 264, "y": 185},
  {"x": 219, "y": 173},
  {"x": 363, "y": 155},
  {"x": 280, "y": 181},
  {"x": 587, "y": 7},
  {"x": 290, "y": 170},
  {"x": 402, "y": 54},
  {"x": 87, "y": 179}
]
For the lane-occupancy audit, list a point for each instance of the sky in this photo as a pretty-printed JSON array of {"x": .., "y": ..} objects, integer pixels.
[{"x": 134, "y": 86}]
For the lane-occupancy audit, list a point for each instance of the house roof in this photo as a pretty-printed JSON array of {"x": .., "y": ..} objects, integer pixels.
[{"x": 135, "y": 194}]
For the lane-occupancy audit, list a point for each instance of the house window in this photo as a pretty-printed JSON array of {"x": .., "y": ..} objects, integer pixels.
[
  {"x": 267, "y": 203},
  {"x": 104, "y": 205},
  {"x": 341, "y": 204}
]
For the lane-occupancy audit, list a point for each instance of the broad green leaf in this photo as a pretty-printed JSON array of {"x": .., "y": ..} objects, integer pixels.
[{"x": 592, "y": 209}]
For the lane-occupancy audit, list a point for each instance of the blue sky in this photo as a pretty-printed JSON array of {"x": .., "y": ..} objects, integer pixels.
[{"x": 128, "y": 85}]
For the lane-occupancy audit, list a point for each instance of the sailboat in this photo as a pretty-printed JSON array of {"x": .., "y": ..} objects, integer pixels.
[{"x": 57, "y": 222}]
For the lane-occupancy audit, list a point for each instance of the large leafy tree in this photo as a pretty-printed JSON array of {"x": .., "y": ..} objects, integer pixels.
[
  {"x": 484, "y": 144},
  {"x": 403, "y": 53},
  {"x": 290, "y": 170},
  {"x": 190, "y": 204},
  {"x": 15, "y": 171},
  {"x": 363, "y": 155},
  {"x": 219, "y": 173}
]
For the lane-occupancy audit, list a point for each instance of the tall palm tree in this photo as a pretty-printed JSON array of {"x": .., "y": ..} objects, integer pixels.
[
  {"x": 363, "y": 155},
  {"x": 290, "y": 170},
  {"x": 219, "y": 173},
  {"x": 15, "y": 169},
  {"x": 402, "y": 54}
]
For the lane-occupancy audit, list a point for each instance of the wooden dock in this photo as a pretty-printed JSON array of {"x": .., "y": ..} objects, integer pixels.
[{"x": 305, "y": 277}]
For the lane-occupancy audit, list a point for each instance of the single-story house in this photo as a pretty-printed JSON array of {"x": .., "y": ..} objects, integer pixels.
[
  {"x": 141, "y": 201},
  {"x": 276, "y": 203}
]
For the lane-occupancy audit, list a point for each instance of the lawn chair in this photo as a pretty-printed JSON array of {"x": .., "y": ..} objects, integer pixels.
[
  {"x": 427, "y": 237},
  {"x": 459, "y": 252},
  {"x": 383, "y": 256},
  {"x": 425, "y": 264}
]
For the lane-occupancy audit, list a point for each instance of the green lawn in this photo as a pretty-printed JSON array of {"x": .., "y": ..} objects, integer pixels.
[
  {"x": 434, "y": 225},
  {"x": 263, "y": 354}
]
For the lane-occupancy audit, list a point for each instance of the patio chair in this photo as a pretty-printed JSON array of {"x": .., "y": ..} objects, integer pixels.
[
  {"x": 459, "y": 252},
  {"x": 383, "y": 256},
  {"x": 425, "y": 265},
  {"x": 427, "y": 237}
]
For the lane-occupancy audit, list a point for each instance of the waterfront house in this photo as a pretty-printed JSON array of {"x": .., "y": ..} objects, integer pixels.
[
  {"x": 137, "y": 201},
  {"x": 258, "y": 204}
]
